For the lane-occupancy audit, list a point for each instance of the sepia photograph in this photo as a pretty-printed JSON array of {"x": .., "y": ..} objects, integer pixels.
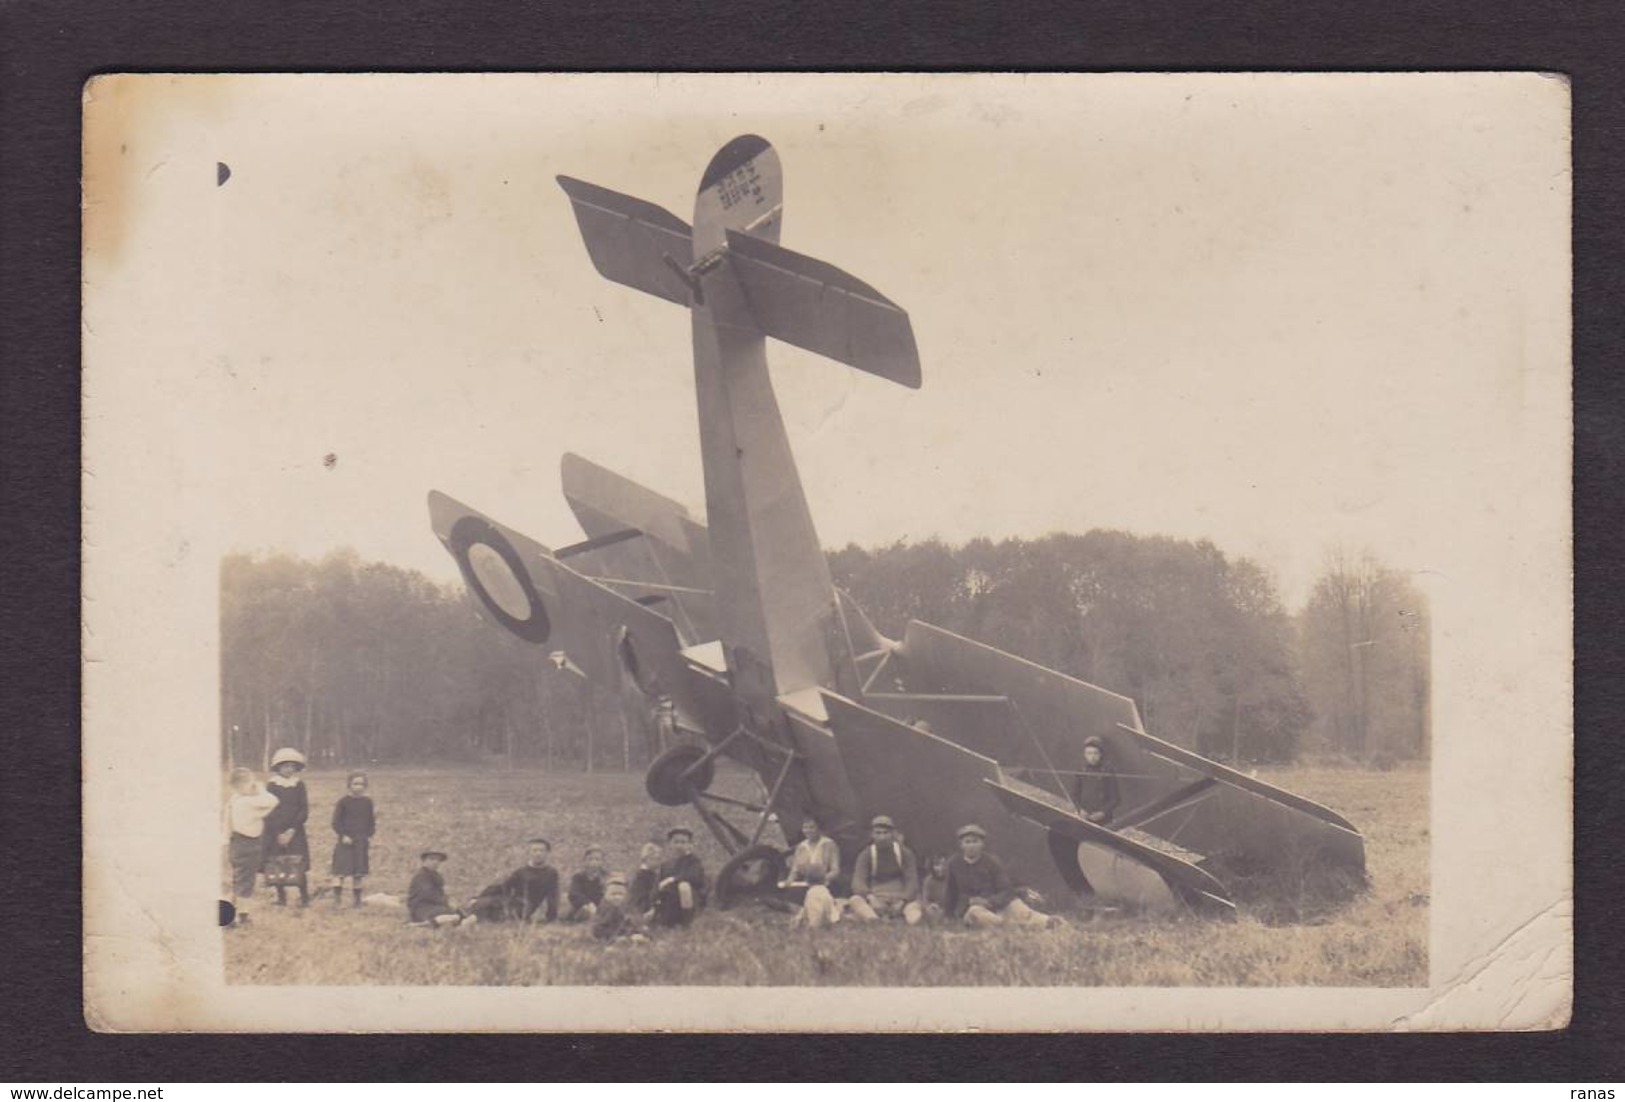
[{"x": 827, "y": 552}]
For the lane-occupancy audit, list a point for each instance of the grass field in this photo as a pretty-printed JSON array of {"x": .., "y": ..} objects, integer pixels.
[{"x": 482, "y": 816}]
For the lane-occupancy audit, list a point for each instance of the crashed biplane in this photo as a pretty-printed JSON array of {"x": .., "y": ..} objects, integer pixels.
[{"x": 731, "y": 633}]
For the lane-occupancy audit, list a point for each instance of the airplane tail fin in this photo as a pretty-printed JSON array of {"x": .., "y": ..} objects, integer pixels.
[
  {"x": 738, "y": 214},
  {"x": 741, "y": 192},
  {"x": 791, "y": 297}
]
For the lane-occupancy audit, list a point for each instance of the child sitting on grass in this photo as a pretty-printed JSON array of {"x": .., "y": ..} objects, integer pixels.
[
  {"x": 616, "y": 920},
  {"x": 245, "y": 816},
  {"x": 813, "y": 867},
  {"x": 528, "y": 894},
  {"x": 641, "y": 893},
  {"x": 426, "y": 902},
  {"x": 353, "y": 822},
  {"x": 934, "y": 889},
  {"x": 586, "y": 891},
  {"x": 680, "y": 881}
]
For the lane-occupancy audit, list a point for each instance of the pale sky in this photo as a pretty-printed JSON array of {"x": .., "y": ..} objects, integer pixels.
[{"x": 1275, "y": 312}]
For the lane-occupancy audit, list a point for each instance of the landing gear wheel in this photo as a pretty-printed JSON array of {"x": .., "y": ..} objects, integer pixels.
[
  {"x": 753, "y": 871},
  {"x": 1064, "y": 851},
  {"x": 666, "y": 781}
]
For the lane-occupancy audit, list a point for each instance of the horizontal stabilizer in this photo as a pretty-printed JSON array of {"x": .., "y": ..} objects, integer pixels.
[
  {"x": 633, "y": 242},
  {"x": 816, "y": 306}
]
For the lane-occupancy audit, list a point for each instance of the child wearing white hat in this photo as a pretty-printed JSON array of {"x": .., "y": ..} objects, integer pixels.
[{"x": 287, "y": 849}]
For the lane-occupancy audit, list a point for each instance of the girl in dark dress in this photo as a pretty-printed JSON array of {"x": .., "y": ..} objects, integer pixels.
[
  {"x": 285, "y": 825},
  {"x": 353, "y": 822}
]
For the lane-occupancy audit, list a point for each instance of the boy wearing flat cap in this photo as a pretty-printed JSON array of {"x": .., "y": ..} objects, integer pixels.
[
  {"x": 426, "y": 900},
  {"x": 886, "y": 878},
  {"x": 979, "y": 891},
  {"x": 679, "y": 882}
]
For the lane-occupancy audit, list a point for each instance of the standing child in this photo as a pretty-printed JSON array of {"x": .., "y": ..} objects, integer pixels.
[
  {"x": 287, "y": 849},
  {"x": 353, "y": 822},
  {"x": 245, "y": 816}
]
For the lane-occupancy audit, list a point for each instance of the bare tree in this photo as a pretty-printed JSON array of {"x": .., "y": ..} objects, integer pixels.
[{"x": 1365, "y": 644}]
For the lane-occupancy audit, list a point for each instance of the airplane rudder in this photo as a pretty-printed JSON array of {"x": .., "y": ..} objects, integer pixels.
[{"x": 742, "y": 189}]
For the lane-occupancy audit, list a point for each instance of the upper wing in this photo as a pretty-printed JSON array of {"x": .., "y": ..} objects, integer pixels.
[{"x": 1166, "y": 791}]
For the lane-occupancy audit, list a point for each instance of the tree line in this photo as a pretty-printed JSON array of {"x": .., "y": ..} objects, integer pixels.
[
  {"x": 359, "y": 662},
  {"x": 355, "y": 662}
]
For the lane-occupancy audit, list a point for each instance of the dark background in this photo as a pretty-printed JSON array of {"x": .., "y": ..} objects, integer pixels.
[{"x": 47, "y": 50}]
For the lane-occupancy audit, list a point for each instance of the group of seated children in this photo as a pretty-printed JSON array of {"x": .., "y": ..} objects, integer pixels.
[
  {"x": 267, "y": 835},
  {"x": 972, "y": 888},
  {"x": 666, "y": 892},
  {"x": 888, "y": 882}
]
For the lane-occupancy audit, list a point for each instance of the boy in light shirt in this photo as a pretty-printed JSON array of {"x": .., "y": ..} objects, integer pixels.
[
  {"x": 245, "y": 818},
  {"x": 813, "y": 867}
]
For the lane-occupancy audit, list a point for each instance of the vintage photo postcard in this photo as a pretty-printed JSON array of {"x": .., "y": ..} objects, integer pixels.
[{"x": 827, "y": 552}]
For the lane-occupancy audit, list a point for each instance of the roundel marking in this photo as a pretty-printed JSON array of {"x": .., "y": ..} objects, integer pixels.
[
  {"x": 498, "y": 580},
  {"x": 494, "y": 571}
]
